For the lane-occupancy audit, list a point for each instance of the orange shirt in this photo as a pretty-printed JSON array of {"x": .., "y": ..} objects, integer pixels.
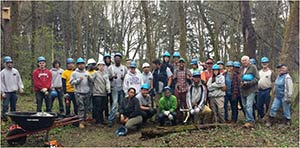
[{"x": 205, "y": 75}]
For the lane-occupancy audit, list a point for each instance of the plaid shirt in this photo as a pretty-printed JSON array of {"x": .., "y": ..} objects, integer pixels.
[
  {"x": 235, "y": 85},
  {"x": 181, "y": 86}
]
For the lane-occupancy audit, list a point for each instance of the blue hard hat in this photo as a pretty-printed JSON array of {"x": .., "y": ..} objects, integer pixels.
[
  {"x": 106, "y": 55},
  {"x": 247, "y": 77},
  {"x": 145, "y": 86},
  {"x": 176, "y": 54},
  {"x": 132, "y": 64},
  {"x": 220, "y": 62},
  {"x": 80, "y": 60},
  {"x": 215, "y": 67},
  {"x": 118, "y": 54},
  {"x": 70, "y": 60},
  {"x": 122, "y": 131},
  {"x": 53, "y": 93},
  {"x": 167, "y": 88},
  {"x": 41, "y": 58},
  {"x": 252, "y": 61},
  {"x": 196, "y": 73},
  {"x": 264, "y": 60},
  {"x": 194, "y": 61},
  {"x": 236, "y": 64},
  {"x": 182, "y": 60},
  {"x": 7, "y": 59},
  {"x": 229, "y": 63},
  {"x": 166, "y": 54}
]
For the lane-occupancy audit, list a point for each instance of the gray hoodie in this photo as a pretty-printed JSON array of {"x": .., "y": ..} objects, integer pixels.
[
  {"x": 81, "y": 86},
  {"x": 56, "y": 77},
  {"x": 10, "y": 80},
  {"x": 100, "y": 83},
  {"x": 214, "y": 88}
]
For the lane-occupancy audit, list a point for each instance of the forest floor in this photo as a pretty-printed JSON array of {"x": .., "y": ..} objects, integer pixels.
[{"x": 92, "y": 136}]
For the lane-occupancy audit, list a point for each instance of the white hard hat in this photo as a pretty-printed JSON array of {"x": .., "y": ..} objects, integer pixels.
[
  {"x": 146, "y": 65},
  {"x": 91, "y": 61},
  {"x": 101, "y": 62}
]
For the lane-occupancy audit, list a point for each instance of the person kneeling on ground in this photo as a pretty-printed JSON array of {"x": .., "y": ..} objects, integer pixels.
[
  {"x": 196, "y": 99},
  {"x": 130, "y": 112},
  {"x": 167, "y": 106},
  {"x": 146, "y": 104}
]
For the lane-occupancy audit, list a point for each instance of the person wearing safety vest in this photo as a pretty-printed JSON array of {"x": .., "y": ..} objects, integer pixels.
[
  {"x": 249, "y": 87},
  {"x": 11, "y": 82},
  {"x": 283, "y": 95}
]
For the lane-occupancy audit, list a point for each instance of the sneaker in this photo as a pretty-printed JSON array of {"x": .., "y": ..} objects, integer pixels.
[
  {"x": 81, "y": 125},
  {"x": 248, "y": 125},
  {"x": 287, "y": 122}
]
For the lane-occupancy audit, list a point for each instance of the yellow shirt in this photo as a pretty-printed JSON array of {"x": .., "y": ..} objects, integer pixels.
[
  {"x": 91, "y": 72},
  {"x": 67, "y": 76}
]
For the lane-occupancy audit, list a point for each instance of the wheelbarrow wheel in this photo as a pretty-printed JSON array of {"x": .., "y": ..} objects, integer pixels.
[{"x": 17, "y": 141}]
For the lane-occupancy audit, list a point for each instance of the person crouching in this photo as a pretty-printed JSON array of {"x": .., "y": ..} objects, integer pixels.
[{"x": 167, "y": 106}]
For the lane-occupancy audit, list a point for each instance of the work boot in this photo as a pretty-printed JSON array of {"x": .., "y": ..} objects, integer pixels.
[
  {"x": 110, "y": 123},
  {"x": 287, "y": 122},
  {"x": 248, "y": 125},
  {"x": 81, "y": 125},
  {"x": 270, "y": 121}
]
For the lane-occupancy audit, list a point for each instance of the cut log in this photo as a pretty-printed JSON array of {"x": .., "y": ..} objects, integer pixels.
[{"x": 159, "y": 131}]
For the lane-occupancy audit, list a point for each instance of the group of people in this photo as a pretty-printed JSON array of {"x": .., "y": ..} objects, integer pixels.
[{"x": 104, "y": 91}]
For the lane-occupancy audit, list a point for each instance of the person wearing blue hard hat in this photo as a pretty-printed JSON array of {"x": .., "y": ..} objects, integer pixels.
[
  {"x": 249, "y": 87},
  {"x": 130, "y": 112},
  {"x": 265, "y": 86},
  {"x": 167, "y": 107},
  {"x": 117, "y": 72},
  {"x": 166, "y": 61},
  {"x": 221, "y": 64},
  {"x": 196, "y": 99},
  {"x": 228, "y": 74},
  {"x": 11, "y": 83},
  {"x": 176, "y": 57},
  {"x": 132, "y": 79},
  {"x": 100, "y": 89},
  {"x": 68, "y": 89},
  {"x": 57, "y": 71},
  {"x": 80, "y": 81},
  {"x": 216, "y": 92},
  {"x": 195, "y": 66},
  {"x": 282, "y": 96},
  {"x": 42, "y": 79},
  {"x": 146, "y": 104}
]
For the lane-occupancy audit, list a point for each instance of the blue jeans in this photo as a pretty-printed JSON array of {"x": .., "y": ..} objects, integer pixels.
[
  {"x": 247, "y": 102},
  {"x": 226, "y": 99},
  {"x": 11, "y": 98},
  {"x": 117, "y": 96},
  {"x": 39, "y": 101},
  {"x": 263, "y": 101},
  {"x": 276, "y": 105},
  {"x": 60, "y": 100}
]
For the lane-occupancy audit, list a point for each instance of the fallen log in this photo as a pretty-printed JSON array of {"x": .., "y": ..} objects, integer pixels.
[{"x": 159, "y": 131}]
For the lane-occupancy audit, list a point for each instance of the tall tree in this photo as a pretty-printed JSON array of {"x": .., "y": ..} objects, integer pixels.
[
  {"x": 248, "y": 30},
  {"x": 150, "y": 51},
  {"x": 182, "y": 29},
  {"x": 290, "y": 49}
]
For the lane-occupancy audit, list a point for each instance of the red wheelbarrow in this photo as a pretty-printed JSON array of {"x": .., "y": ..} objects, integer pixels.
[{"x": 29, "y": 123}]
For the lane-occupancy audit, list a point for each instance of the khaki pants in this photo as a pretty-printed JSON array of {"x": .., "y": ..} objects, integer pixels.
[
  {"x": 217, "y": 106},
  {"x": 204, "y": 115},
  {"x": 132, "y": 123}
]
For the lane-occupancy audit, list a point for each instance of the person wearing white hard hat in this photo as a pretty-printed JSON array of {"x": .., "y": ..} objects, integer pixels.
[
  {"x": 100, "y": 87},
  {"x": 147, "y": 75},
  {"x": 91, "y": 69}
]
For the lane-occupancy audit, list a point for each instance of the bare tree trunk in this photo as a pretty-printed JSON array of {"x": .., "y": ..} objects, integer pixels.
[
  {"x": 248, "y": 30},
  {"x": 290, "y": 49},
  {"x": 182, "y": 30},
  {"x": 79, "y": 30},
  {"x": 33, "y": 35},
  {"x": 150, "y": 51},
  {"x": 7, "y": 31}
]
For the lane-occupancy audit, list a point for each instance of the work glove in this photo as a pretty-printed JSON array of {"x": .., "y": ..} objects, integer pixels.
[
  {"x": 192, "y": 111},
  {"x": 170, "y": 116},
  {"x": 197, "y": 110},
  {"x": 45, "y": 91},
  {"x": 166, "y": 113}
]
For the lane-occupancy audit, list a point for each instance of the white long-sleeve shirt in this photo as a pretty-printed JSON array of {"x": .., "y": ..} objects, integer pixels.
[{"x": 196, "y": 96}]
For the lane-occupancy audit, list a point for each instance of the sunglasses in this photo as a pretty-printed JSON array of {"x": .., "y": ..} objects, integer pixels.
[{"x": 209, "y": 63}]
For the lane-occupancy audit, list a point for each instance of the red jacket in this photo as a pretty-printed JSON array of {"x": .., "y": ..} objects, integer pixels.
[{"x": 41, "y": 79}]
